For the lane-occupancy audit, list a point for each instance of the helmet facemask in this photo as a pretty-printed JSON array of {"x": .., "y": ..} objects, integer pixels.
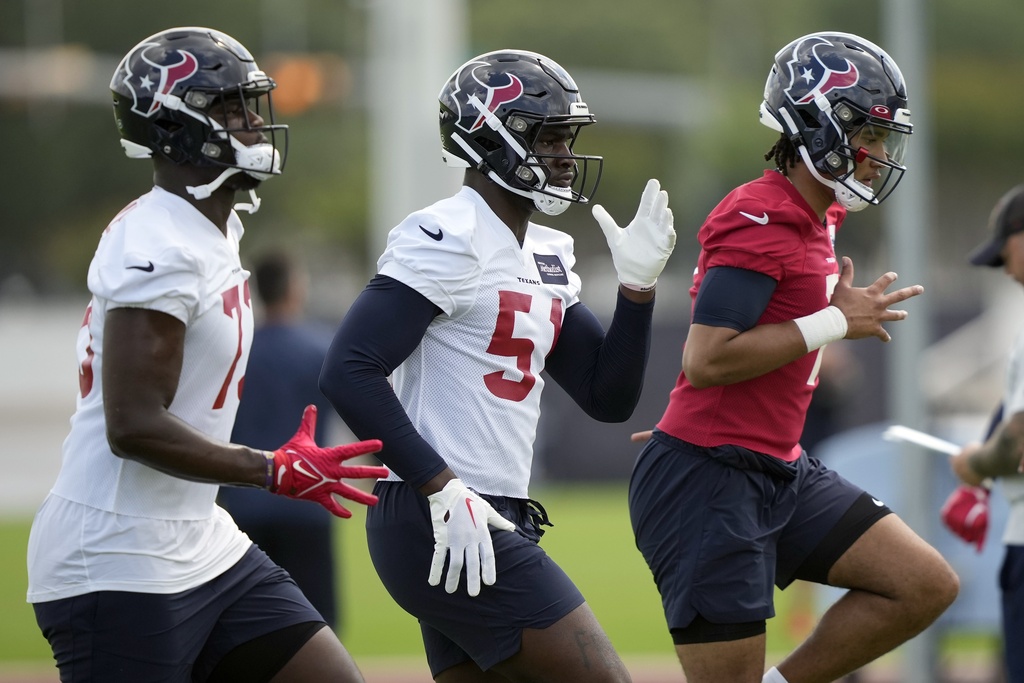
[
  {"x": 861, "y": 134},
  {"x": 221, "y": 146},
  {"x": 532, "y": 175}
]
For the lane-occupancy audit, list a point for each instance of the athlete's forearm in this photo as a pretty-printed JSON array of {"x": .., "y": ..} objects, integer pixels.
[
  {"x": 163, "y": 442},
  {"x": 1001, "y": 454},
  {"x": 717, "y": 356},
  {"x": 366, "y": 349},
  {"x": 604, "y": 372}
]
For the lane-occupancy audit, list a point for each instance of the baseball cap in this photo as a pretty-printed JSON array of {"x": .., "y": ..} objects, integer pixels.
[{"x": 1007, "y": 218}]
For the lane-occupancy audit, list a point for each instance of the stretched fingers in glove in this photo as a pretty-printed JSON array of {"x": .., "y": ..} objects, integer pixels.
[
  {"x": 640, "y": 250},
  {"x": 301, "y": 469},
  {"x": 460, "y": 519}
]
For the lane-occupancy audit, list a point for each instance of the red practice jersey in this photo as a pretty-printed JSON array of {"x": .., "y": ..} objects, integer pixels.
[{"x": 767, "y": 227}]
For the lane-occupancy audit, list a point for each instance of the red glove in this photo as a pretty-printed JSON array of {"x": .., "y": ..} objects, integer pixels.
[
  {"x": 965, "y": 513},
  {"x": 301, "y": 469}
]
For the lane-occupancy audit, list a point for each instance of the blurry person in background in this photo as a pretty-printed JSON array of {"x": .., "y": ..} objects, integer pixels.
[
  {"x": 999, "y": 457},
  {"x": 724, "y": 502},
  {"x": 135, "y": 574},
  {"x": 472, "y": 302},
  {"x": 281, "y": 380}
]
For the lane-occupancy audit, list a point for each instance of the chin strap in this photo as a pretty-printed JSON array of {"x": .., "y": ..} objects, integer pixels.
[
  {"x": 544, "y": 202},
  {"x": 261, "y": 161},
  {"x": 854, "y": 196},
  {"x": 851, "y": 194},
  {"x": 250, "y": 207},
  {"x": 204, "y": 191}
]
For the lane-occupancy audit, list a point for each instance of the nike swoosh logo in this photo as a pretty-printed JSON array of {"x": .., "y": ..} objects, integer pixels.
[
  {"x": 469, "y": 505},
  {"x": 761, "y": 220},
  {"x": 147, "y": 268},
  {"x": 877, "y": 502},
  {"x": 436, "y": 236},
  {"x": 298, "y": 467}
]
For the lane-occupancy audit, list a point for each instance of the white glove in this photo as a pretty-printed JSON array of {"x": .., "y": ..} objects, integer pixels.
[
  {"x": 640, "y": 250},
  {"x": 460, "y": 518}
]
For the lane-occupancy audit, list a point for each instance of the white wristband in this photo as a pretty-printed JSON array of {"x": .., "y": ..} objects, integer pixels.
[{"x": 818, "y": 329}]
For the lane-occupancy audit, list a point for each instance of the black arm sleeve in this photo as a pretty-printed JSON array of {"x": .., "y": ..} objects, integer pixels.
[
  {"x": 383, "y": 326},
  {"x": 732, "y": 297},
  {"x": 603, "y": 373}
]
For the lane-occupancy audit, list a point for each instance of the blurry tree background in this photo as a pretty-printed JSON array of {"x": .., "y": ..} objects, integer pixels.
[{"x": 64, "y": 175}]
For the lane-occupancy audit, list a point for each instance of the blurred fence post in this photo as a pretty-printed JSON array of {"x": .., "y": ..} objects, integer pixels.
[
  {"x": 906, "y": 220},
  {"x": 413, "y": 47}
]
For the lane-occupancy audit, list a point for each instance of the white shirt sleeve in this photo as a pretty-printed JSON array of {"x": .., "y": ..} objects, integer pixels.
[
  {"x": 133, "y": 269},
  {"x": 437, "y": 259}
]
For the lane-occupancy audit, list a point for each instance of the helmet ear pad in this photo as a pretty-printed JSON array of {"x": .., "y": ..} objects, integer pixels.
[
  {"x": 170, "y": 139},
  {"x": 496, "y": 156}
]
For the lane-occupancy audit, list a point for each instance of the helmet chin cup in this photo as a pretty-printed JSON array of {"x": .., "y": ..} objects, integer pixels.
[
  {"x": 261, "y": 161},
  {"x": 853, "y": 198},
  {"x": 552, "y": 205}
]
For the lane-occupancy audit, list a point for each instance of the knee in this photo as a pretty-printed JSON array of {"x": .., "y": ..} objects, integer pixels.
[{"x": 933, "y": 589}]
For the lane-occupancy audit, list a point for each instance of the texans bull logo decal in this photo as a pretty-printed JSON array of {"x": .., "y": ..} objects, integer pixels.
[
  {"x": 159, "y": 78},
  {"x": 819, "y": 72},
  {"x": 508, "y": 88}
]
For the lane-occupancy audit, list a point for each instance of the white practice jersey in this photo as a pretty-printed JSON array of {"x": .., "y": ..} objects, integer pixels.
[
  {"x": 115, "y": 524},
  {"x": 1013, "y": 402},
  {"x": 472, "y": 387}
]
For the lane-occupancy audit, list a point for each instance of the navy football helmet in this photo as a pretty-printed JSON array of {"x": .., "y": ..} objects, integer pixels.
[
  {"x": 824, "y": 89},
  {"x": 165, "y": 90},
  {"x": 493, "y": 110}
]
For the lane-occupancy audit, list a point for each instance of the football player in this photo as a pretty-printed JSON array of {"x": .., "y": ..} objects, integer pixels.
[
  {"x": 724, "y": 502},
  {"x": 135, "y": 574},
  {"x": 472, "y": 302}
]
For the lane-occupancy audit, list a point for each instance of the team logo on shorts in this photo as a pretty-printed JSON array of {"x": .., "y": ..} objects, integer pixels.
[
  {"x": 818, "y": 71},
  {"x": 551, "y": 270}
]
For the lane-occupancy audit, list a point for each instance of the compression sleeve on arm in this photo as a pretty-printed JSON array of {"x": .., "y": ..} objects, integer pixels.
[
  {"x": 603, "y": 373},
  {"x": 383, "y": 326},
  {"x": 732, "y": 297}
]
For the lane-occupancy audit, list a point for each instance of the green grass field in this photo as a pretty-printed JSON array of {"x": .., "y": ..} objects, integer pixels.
[{"x": 591, "y": 540}]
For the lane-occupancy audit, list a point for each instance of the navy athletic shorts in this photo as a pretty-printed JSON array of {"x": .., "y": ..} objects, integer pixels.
[
  {"x": 176, "y": 637},
  {"x": 719, "y": 527},
  {"x": 531, "y": 591}
]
